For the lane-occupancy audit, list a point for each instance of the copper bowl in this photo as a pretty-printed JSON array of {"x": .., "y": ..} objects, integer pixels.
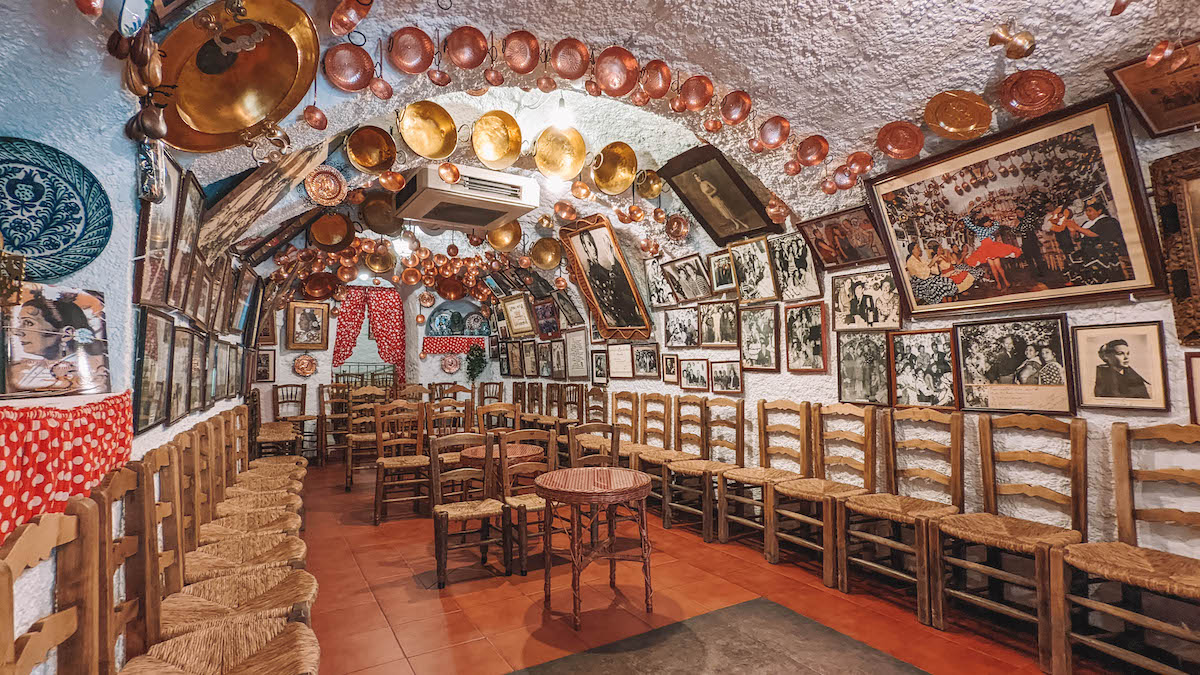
[
  {"x": 320, "y": 285},
  {"x": 505, "y": 237},
  {"x": 614, "y": 168},
  {"x": 570, "y": 58},
  {"x": 410, "y": 50},
  {"x": 496, "y": 139},
  {"x": 560, "y": 153},
  {"x": 428, "y": 130},
  {"x": 348, "y": 67},
  {"x": 649, "y": 184},
  {"x": 451, "y": 288},
  {"x": 380, "y": 261},
  {"x": 378, "y": 212},
  {"x": 696, "y": 92},
  {"x": 371, "y": 149},
  {"x": 774, "y": 132},
  {"x": 466, "y": 47},
  {"x": 616, "y": 71},
  {"x": 325, "y": 185},
  {"x": 677, "y": 227},
  {"x": 546, "y": 253},
  {"x": 812, "y": 150},
  {"x": 331, "y": 232},
  {"x": 521, "y": 51},
  {"x": 656, "y": 79},
  {"x": 735, "y": 107}
]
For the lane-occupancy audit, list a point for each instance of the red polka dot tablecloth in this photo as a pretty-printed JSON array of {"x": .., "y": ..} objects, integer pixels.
[
  {"x": 48, "y": 455},
  {"x": 451, "y": 345}
]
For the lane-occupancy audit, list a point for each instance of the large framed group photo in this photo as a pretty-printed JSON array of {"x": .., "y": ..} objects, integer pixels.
[{"x": 1050, "y": 211}]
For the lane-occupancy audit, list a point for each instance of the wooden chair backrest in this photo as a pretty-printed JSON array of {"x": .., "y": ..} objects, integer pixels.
[
  {"x": 518, "y": 478},
  {"x": 596, "y": 405},
  {"x": 655, "y": 422},
  {"x": 383, "y": 379},
  {"x": 131, "y": 549},
  {"x": 73, "y": 629},
  {"x": 334, "y": 399},
  {"x": 413, "y": 392},
  {"x": 1127, "y": 474},
  {"x": 625, "y": 406},
  {"x": 772, "y": 430},
  {"x": 896, "y": 449},
  {"x": 1075, "y": 466},
  {"x": 217, "y": 457},
  {"x": 167, "y": 561},
  {"x": 476, "y": 483},
  {"x": 554, "y": 399},
  {"x": 352, "y": 380},
  {"x": 451, "y": 390},
  {"x": 362, "y": 407},
  {"x": 491, "y": 392},
  {"x": 572, "y": 403},
  {"x": 288, "y": 400},
  {"x": 736, "y": 422},
  {"x": 864, "y": 441},
  {"x": 241, "y": 439},
  {"x": 448, "y": 416},
  {"x": 533, "y": 398},
  {"x": 528, "y": 420},
  {"x": 605, "y": 457},
  {"x": 189, "y": 493},
  {"x": 518, "y": 394},
  {"x": 399, "y": 428},
  {"x": 690, "y": 411},
  {"x": 497, "y": 417}
]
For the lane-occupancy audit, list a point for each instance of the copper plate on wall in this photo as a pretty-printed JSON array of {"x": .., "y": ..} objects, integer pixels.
[
  {"x": 215, "y": 100},
  {"x": 320, "y": 285},
  {"x": 348, "y": 67},
  {"x": 1029, "y": 93},
  {"x": 332, "y": 232},
  {"x": 410, "y": 50},
  {"x": 656, "y": 79},
  {"x": 900, "y": 140},
  {"x": 304, "y": 365},
  {"x": 325, "y": 185},
  {"x": 521, "y": 51},
  {"x": 958, "y": 115},
  {"x": 496, "y": 139},
  {"x": 560, "y": 153},
  {"x": 381, "y": 261},
  {"x": 428, "y": 130},
  {"x": 466, "y": 47},
  {"x": 616, "y": 71},
  {"x": 378, "y": 211},
  {"x": 570, "y": 58}
]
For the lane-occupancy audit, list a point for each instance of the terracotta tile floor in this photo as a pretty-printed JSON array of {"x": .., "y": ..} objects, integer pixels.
[{"x": 379, "y": 610}]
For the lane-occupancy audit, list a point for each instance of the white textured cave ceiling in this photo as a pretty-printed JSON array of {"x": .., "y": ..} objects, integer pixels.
[{"x": 840, "y": 68}]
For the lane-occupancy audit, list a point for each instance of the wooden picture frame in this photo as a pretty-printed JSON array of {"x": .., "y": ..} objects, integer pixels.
[
  {"x": 717, "y": 195},
  {"x": 915, "y": 375},
  {"x": 505, "y": 370},
  {"x": 687, "y": 277},
  {"x": 1191, "y": 362},
  {"x": 719, "y": 325},
  {"x": 1139, "y": 85},
  {"x": 529, "y": 364},
  {"x": 681, "y": 327},
  {"x": 544, "y": 369},
  {"x": 863, "y": 363},
  {"x": 1176, "y": 189},
  {"x": 203, "y": 290},
  {"x": 567, "y": 311},
  {"x": 298, "y": 337},
  {"x": 736, "y": 383},
  {"x": 645, "y": 361},
  {"x": 798, "y": 318},
  {"x": 720, "y": 272},
  {"x": 545, "y": 314},
  {"x": 152, "y": 369},
  {"x": 516, "y": 361},
  {"x": 753, "y": 271},
  {"x": 619, "y": 310},
  {"x": 914, "y": 206},
  {"x": 188, "y": 214},
  {"x": 518, "y": 315},
  {"x": 268, "y": 331},
  {"x": 181, "y": 372},
  {"x": 599, "y": 366},
  {"x": 620, "y": 361},
  {"x": 866, "y": 301},
  {"x": 690, "y": 373},
  {"x": 264, "y": 365},
  {"x": 156, "y": 237},
  {"x": 1013, "y": 381},
  {"x": 754, "y": 354},
  {"x": 661, "y": 294},
  {"x": 575, "y": 342},
  {"x": 1114, "y": 376},
  {"x": 793, "y": 264},
  {"x": 670, "y": 369},
  {"x": 839, "y": 239},
  {"x": 243, "y": 292},
  {"x": 558, "y": 359}
]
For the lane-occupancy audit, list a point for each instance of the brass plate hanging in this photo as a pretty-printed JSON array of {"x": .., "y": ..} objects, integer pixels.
[
  {"x": 506, "y": 237},
  {"x": 650, "y": 185},
  {"x": 428, "y": 129},
  {"x": 546, "y": 253},
  {"x": 221, "y": 100},
  {"x": 381, "y": 262},
  {"x": 560, "y": 153},
  {"x": 332, "y": 232},
  {"x": 615, "y": 168},
  {"x": 958, "y": 115},
  {"x": 371, "y": 149},
  {"x": 378, "y": 213},
  {"x": 496, "y": 139}
]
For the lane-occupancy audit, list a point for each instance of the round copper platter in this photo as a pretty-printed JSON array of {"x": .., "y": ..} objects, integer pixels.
[
  {"x": 466, "y": 47},
  {"x": 348, "y": 67},
  {"x": 546, "y": 253},
  {"x": 1029, "y": 93},
  {"x": 411, "y": 50},
  {"x": 521, "y": 52},
  {"x": 656, "y": 79},
  {"x": 326, "y": 185},
  {"x": 570, "y": 58},
  {"x": 774, "y": 132},
  {"x": 426, "y": 299},
  {"x": 958, "y": 115},
  {"x": 320, "y": 285},
  {"x": 616, "y": 71},
  {"x": 332, "y": 232},
  {"x": 900, "y": 139},
  {"x": 304, "y": 365},
  {"x": 696, "y": 92}
]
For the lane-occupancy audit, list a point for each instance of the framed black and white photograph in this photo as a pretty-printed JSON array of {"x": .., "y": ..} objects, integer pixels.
[
  {"x": 863, "y": 367},
  {"x": 718, "y": 323},
  {"x": 264, "y": 365},
  {"x": 493, "y": 347},
  {"x": 1015, "y": 365},
  {"x": 543, "y": 360},
  {"x": 576, "y": 345},
  {"x": 923, "y": 369},
  {"x": 1121, "y": 366},
  {"x": 604, "y": 278},
  {"x": 596, "y": 338},
  {"x": 753, "y": 271},
  {"x": 505, "y": 371},
  {"x": 558, "y": 359},
  {"x": 620, "y": 361},
  {"x": 661, "y": 294},
  {"x": 181, "y": 372},
  {"x": 516, "y": 362},
  {"x": 687, "y": 278},
  {"x": 682, "y": 327},
  {"x": 518, "y": 315},
  {"x": 693, "y": 374},
  {"x": 670, "y": 369},
  {"x": 725, "y": 377},
  {"x": 717, "y": 194},
  {"x": 796, "y": 273},
  {"x": 720, "y": 271},
  {"x": 152, "y": 369},
  {"x": 545, "y": 312},
  {"x": 529, "y": 364},
  {"x": 759, "y": 341},
  {"x": 599, "y": 366},
  {"x": 567, "y": 309},
  {"x": 156, "y": 232},
  {"x": 645, "y": 360},
  {"x": 189, "y": 210},
  {"x": 866, "y": 301},
  {"x": 804, "y": 338}
]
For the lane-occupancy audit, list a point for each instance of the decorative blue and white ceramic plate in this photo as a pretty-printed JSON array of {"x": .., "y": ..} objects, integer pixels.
[{"x": 53, "y": 211}]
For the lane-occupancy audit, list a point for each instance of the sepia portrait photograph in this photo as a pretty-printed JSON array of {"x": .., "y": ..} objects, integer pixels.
[
  {"x": 181, "y": 371},
  {"x": 645, "y": 360},
  {"x": 307, "y": 325},
  {"x": 716, "y": 194},
  {"x": 718, "y": 323},
  {"x": 844, "y": 239},
  {"x": 726, "y": 377},
  {"x": 599, "y": 367},
  {"x": 796, "y": 274},
  {"x": 543, "y": 360},
  {"x": 567, "y": 309},
  {"x": 516, "y": 364},
  {"x": 752, "y": 271},
  {"x": 760, "y": 337},
  {"x": 720, "y": 271},
  {"x": 693, "y": 374},
  {"x": 923, "y": 369},
  {"x": 1017, "y": 365},
  {"x": 804, "y": 337},
  {"x": 505, "y": 370},
  {"x": 605, "y": 278},
  {"x": 863, "y": 367},
  {"x": 687, "y": 278},
  {"x": 660, "y": 291},
  {"x": 670, "y": 368},
  {"x": 1121, "y": 366},
  {"x": 866, "y": 301},
  {"x": 529, "y": 364},
  {"x": 681, "y": 327},
  {"x": 558, "y": 359}
]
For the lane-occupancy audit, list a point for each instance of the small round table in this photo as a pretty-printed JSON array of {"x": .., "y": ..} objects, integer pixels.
[
  {"x": 515, "y": 452},
  {"x": 597, "y": 486}
]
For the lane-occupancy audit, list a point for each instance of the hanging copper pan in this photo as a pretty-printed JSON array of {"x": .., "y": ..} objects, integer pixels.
[
  {"x": 466, "y": 47},
  {"x": 371, "y": 149},
  {"x": 570, "y": 59},
  {"x": 696, "y": 92},
  {"x": 378, "y": 212},
  {"x": 774, "y": 132},
  {"x": 332, "y": 232},
  {"x": 496, "y": 139},
  {"x": 320, "y": 285},
  {"x": 656, "y": 79},
  {"x": 505, "y": 237},
  {"x": 428, "y": 129},
  {"x": 616, "y": 71},
  {"x": 735, "y": 107},
  {"x": 649, "y": 184},
  {"x": 411, "y": 50},
  {"x": 381, "y": 261},
  {"x": 348, "y": 67},
  {"x": 546, "y": 253},
  {"x": 614, "y": 168},
  {"x": 812, "y": 150},
  {"x": 560, "y": 153},
  {"x": 521, "y": 51}
]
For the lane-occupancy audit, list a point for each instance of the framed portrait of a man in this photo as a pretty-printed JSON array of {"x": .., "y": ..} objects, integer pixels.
[
  {"x": 604, "y": 278},
  {"x": 865, "y": 301},
  {"x": 718, "y": 323},
  {"x": 1048, "y": 212},
  {"x": 843, "y": 239},
  {"x": 797, "y": 276},
  {"x": 1121, "y": 366},
  {"x": 558, "y": 359},
  {"x": 599, "y": 364},
  {"x": 760, "y": 337},
  {"x": 717, "y": 194},
  {"x": 753, "y": 272},
  {"x": 1015, "y": 365},
  {"x": 720, "y": 271},
  {"x": 687, "y": 278},
  {"x": 670, "y": 369},
  {"x": 307, "y": 325}
]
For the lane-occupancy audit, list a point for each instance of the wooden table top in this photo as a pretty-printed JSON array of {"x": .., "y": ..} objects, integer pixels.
[
  {"x": 516, "y": 453},
  {"x": 593, "y": 485}
]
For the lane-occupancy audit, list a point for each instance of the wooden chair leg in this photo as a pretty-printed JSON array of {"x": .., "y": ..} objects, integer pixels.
[
  {"x": 505, "y": 542},
  {"x": 612, "y": 538},
  {"x": 722, "y": 512},
  {"x": 834, "y": 541},
  {"x": 349, "y": 467},
  {"x": 523, "y": 538},
  {"x": 547, "y": 525},
  {"x": 921, "y": 544},
  {"x": 665, "y": 476},
  {"x": 706, "y": 506},
  {"x": 485, "y": 530},
  {"x": 1060, "y": 613},
  {"x": 937, "y": 578},
  {"x": 441, "y": 537},
  {"x": 380, "y": 508},
  {"x": 841, "y": 526},
  {"x": 1045, "y": 631},
  {"x": 770, "y": 523},
  {"x": 644, "y": 538}
]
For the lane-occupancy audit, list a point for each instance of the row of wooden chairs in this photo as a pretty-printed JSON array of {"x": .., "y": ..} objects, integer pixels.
[{"x": 209, "y": 558}]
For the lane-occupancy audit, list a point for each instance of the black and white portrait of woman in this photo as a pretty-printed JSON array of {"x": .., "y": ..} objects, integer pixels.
[
  {"x": 56, "y": 342},
  {"x": 606, "y": 275},
  {"x": 1121, "y": 365}
]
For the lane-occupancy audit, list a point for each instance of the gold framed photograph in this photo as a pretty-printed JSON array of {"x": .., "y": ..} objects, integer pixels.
[
  {"x": 604, "y": 279},
  {"x": 307, "y": 325},
  {"x": 518, "y": 315}
]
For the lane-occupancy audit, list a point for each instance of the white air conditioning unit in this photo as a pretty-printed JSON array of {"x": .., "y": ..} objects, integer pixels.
[{"x": 481, "y": 200}]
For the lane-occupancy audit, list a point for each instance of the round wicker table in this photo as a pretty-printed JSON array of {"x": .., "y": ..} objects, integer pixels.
[
  {"x": 597, "y": 486},
  {"x": 515, "y": 452}
]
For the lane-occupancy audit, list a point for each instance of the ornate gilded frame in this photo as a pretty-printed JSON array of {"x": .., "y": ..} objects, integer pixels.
[
  {"x": 1179, "y": 232},
  {"x": 586, "y": 224}
]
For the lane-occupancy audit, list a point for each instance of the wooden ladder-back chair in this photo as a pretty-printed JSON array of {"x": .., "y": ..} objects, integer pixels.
[
  {"x": 592, "y": 444},
  {"x": 572, "y": 409},
  {"x": 696, "y": 478},
  {"x": 897, "y": 511},
  {"x": 269, "y": 438},
  {"x": 516, "y": 485},
  {"x": 449, "y": 416},
  {"x": 518, "y": 391},
  {"x": 384, "y": 379},
  {"x": 477, "y": 489},
  {"x": 1137, "y": 569},
  {"x": 289, "y": 403},
  {"x": 653, "y": 448},
  {"x": 443, "y": 390},
  {"x": 73, "y": 629},
  {"x": 241, "y": 441},
  {"x": 568, "y": 411},
  {"x": 401, "y": 467},
  {"x": 352, "y": 380},
  {"x": 490, "y": 392},
  {"x": 411, "y": 392},
  {"x": 1017, "y": 537},
  {"x": 497, "y": 417},
  {"x": 625, "y": 420},
  {"x": 554, "y": 400},
  {"x": 333, "y": 420},
  {"x": 193, "y": 506},
  {"x": 595, "y": 405},
  {"x": 129, "y": 552},
  {"x": 735, "y": 487},
  {"x": 679, "y": 491},
  {"x": 361, "y": 451},
  {"x": 534, "y": 401}
]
